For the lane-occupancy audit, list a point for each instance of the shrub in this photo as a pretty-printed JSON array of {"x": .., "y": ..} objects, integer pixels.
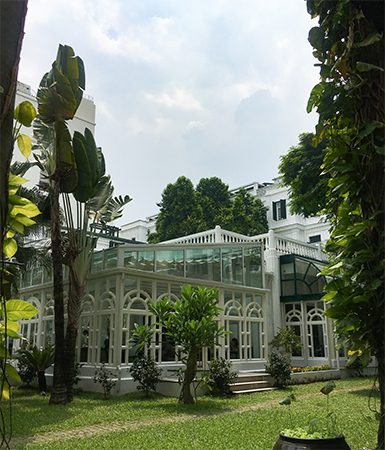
[
  {"x": 286, "y": 340},
  {"x": 37, "y": 360},
  {"x": 219, "y": 377},
  {"x": 310, "y": 368},
  {"x": 106, "y": 379},
  {"x": 279, "y": 368},
  {"x": 146, "y": 372}
]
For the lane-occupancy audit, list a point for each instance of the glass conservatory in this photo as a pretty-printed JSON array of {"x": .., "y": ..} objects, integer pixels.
[{"x": 125, "y": 278}]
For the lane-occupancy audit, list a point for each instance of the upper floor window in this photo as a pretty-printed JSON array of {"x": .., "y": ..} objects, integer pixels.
[
  {"x": 315, "y": 238},
  {"x": 279, "y": 210}
]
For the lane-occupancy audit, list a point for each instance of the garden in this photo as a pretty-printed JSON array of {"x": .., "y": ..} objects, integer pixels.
[{"x": 233, "y": 422}]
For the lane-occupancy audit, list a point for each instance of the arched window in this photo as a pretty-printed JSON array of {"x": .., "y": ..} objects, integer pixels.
[
  {"x": 293, "y": 319},
  {"x": 135, "y": 312},
  {"x": 255, "y": 331},
  {"x": 233, "y": 324},
  {"x": 316, "y": 330},
  {"x": 165, "y": 348}
]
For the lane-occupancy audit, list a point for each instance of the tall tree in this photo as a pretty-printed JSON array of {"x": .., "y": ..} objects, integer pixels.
[
  {"x": 214, "y": 199},
  {"x": 247, "y": 215},
  {"x": 185, "y": 210},
  {"x": 301, "y": 171},
  {"x": 180, "y": 213},
  {"x": 349, "y": 44}
]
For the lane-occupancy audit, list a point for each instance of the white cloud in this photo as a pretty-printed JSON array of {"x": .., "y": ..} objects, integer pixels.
[{"x": 175, "y": 98}]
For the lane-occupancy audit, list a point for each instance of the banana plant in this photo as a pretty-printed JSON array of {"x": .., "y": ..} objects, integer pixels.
[
  {"x": 59, "y": 96},
  {"x": 94, "y": 204}
]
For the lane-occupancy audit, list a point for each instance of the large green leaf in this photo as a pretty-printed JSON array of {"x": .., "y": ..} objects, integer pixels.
[
  {"x": 84, "y": 187},
  {"x": 93, "y": 160},
  {"x": 20, "y": 309},
  {"x": 65, "y": 159},
  {"x": 24, "y": 143}
]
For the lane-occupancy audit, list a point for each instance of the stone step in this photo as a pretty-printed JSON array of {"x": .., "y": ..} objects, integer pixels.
[
  {"x": 245, "y": 385},
  {"x": 252, "y": 391},
  {"x": 254, "y": 377}
]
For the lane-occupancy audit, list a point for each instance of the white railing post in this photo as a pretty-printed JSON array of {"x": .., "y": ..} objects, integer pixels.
[{"x": 218, "y": 234}]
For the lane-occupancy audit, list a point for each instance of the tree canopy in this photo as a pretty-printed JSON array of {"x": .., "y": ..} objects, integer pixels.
[
  {"x": 185, "y": 210},
  {"x": 301, "y": 171},
  {"x": 349, "y": 44}
]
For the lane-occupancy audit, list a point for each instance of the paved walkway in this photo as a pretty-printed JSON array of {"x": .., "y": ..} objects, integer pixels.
[{"x": 115, "y": 427}]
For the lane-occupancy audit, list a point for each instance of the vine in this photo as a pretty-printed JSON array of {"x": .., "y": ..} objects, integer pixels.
[{"x": 349, "y": 44}]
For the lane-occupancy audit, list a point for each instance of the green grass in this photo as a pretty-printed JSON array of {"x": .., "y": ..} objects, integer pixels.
[{"x": 211, "y": 423}]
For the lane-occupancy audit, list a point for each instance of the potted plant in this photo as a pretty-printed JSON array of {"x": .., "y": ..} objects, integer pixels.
[{"x": 320, "y": 434}]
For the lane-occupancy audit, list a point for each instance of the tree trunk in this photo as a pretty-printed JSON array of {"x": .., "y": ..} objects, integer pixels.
[
  {"x": 189, "y": 375},
  {"x": 58, "y": 394},
  {"x": 12, "y": 15},
  {"x": 42, "y": 382},
  {"x": 381, "y": 383},
  {"x": 74, "y": 301}
]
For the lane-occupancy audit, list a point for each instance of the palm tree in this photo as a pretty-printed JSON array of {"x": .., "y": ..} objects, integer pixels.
[{"x": 38, "y": 361}]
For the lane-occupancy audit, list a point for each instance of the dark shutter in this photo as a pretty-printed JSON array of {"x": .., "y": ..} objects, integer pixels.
[
  {"x": 283, "y": 209},
  {"x": 274, "y": 211}
]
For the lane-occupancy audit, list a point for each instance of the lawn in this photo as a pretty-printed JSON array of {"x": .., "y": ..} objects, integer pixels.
[{"x": 134, "y": 422}]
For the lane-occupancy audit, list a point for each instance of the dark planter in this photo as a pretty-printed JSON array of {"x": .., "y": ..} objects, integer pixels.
[{"x": 294, "y": 443}]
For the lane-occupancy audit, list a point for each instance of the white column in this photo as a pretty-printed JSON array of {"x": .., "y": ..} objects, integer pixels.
[{"x": 273, "y": 268}]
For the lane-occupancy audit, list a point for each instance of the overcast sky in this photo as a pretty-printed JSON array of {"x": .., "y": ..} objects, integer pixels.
[{"x": 197, "y": 88}]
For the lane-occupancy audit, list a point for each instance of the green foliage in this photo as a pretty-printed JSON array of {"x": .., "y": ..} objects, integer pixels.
[
  {"x": 141, "y": 337},
  {"x": 185, "y": 210},
  {"x": 287, "y": 340},
  {"x": 349, "y": 44},
  {"x": 37, "y": 360},
  {"x": 247, "y": 215},
  {"x": 278, "y": 366},
  {"x": 219, "y": 377},
  {"x": 146, "y": 372},
  {"x": 106, "y": 379},
  {"x": 180, "y": 213},
  {"x": 214, "y": 199},
  {"x": 301, "y": 171},
  {"x": 190, "y": 322},
  {"x": 318, "y": 428}
]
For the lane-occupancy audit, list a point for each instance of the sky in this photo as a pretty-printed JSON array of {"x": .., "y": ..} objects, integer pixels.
[{"x": 196, "y": 88}]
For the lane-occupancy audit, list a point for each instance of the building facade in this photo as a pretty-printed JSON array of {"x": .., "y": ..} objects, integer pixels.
[{"x": 264, "y": 282}]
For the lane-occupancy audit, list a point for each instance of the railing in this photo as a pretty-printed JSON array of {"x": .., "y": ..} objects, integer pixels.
[{"x": 269, "y": 241}]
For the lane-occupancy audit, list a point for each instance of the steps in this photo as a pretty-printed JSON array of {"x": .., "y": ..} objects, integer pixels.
[{"x": 250, "y": 382}]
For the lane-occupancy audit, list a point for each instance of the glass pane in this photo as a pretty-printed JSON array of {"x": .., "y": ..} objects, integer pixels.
[
  {"x": 97, "y": 262},
  {"x": 297, "y": 331},
  {"x": 170, "y": 262},
  {"x": 49, "y": 338},
  {"x": 253, "y": 268},
  {"x": 111, "y": 258},
  {"x": 287, "y": 271},
  {"x": 168, "y": 348},
  {"x": 234, "y": 339},
  {"x": 37, "y": 275},
  {"x": 255, "y": 340},
  {"x": 232, "y": 265},
  {"x": 203, "y": 264},
  {"x": 130, "y": 259},
  {"x": 139, "y": 320},
  {"x": 85, "y": 325},
  {"x": 104, "y": 339},
  {"x": 137, "y": 304},
  {"x": 146, "y": 261},
  {"x": 288, "y": 288},
  {"x": 129, "y": 284},
  {"x": 318, "y": 341}
]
